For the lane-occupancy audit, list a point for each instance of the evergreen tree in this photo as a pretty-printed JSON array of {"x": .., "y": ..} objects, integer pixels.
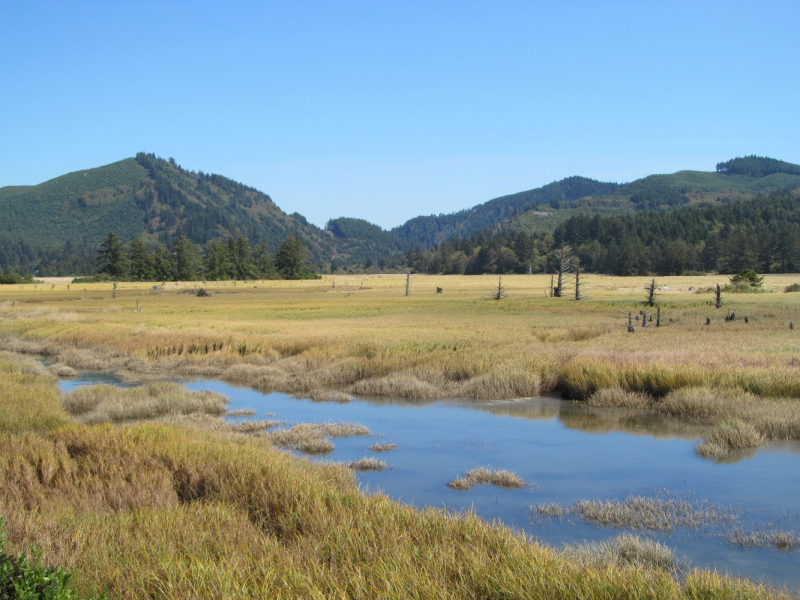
[
  {"x": 263, "y": 263},
  {"x": 290, "y": 259},
  {"x": 163, "y": 264},
  {"x": 217, "y": 261},
  {"x": 141, "y": 261},
  {"x": 111, "y": 256},
  {"x": 186, "y": 258}
]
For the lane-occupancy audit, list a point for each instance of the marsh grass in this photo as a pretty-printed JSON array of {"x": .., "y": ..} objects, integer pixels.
[
  {"x": 161, "y": 511},
  {"x": 485, "y": 476},
  {"x": 241, "y": 412},
  {"x": 312, "y": 438},
  {"x": 616, "y": 397},
  {"x": 107, "y": 403},
  {"x": 29, "y": 397},
  {"x": 643, "y": 513},
  {"x": 321, "y": 395},
  {"x": 367, "y": 464},
  {"x": 785, "y": 541},
  {"x": 551, "y": 510},
  {"x": 727, "y": 437},
  {"x": 626, "y": 550},
  {"x": 382, "y": 447}
]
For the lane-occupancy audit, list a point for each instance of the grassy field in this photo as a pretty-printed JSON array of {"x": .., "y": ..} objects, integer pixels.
[{"x": 148, "y": 510}]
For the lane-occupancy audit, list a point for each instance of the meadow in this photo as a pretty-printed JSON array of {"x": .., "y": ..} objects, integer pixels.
[{"x": 170, "y": 507}]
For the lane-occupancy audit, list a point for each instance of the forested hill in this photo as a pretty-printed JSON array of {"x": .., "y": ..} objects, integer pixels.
[
  {"x": 543, "y": 209},
  {"x": 55, "y": 227},
  {"x": 435, "y": 229}
]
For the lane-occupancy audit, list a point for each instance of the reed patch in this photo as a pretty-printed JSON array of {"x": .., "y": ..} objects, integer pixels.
[{"x": 485, "y": 476}]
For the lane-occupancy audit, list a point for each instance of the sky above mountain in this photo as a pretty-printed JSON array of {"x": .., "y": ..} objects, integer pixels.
[{"x": 388, "y": 110}]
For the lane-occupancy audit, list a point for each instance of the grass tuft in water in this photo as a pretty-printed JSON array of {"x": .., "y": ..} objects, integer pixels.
[
  {"x": 786, "y": 541},
  {"x": 312, "y": 438},
  {"x": 382, "y": 447},
  {"x": 367, "y": 464},
  {"x": 485, "y": 476}
]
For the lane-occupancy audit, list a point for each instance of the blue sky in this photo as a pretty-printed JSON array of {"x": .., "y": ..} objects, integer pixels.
[{"x": 386, "y": 110}]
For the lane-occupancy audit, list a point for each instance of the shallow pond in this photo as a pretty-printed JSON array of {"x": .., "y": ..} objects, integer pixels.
[{"x": 568, "y": 452}]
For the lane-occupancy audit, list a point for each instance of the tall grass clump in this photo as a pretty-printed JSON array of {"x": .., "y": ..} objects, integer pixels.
[
  {"x": 101, "y": 403},
  {"x": 486, "y": 476},
  {"x": 795, "y": 287},
  {"x": 626, "y": 550},
  {"x": 312, "y": 438},
  {"x": 28, "y": 401},
  {"x": 728, "y": 437}
]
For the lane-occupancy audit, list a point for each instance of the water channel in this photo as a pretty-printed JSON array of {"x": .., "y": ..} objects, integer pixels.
[{"x": 567, "y": 452}]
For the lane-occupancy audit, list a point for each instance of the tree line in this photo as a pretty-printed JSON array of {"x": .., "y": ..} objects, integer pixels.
[
  {"x": 762, "y": 234},
  {"x": 185, "y": 260}
]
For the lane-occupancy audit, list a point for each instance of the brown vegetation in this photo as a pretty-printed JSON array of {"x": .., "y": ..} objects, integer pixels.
[{"x": 485, "y": 476}]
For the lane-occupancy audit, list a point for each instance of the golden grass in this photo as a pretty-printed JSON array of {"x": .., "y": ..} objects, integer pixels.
[
  {"x": 625, "y": 550},
  {"x": 382, "y": 447},
  {"x": 312, "y": 438},
  {"x": 367, "y": 464},
  {"x": 29, "y": 397},
  {"x": 655, "y": 514},
  {"x": 299, "y": 337},
  {"x": 486, "y": 476},
  {"x": 102, "y": 403},
  {"x": 149, "y": 510},
  {"x": 785, "y": 541}
]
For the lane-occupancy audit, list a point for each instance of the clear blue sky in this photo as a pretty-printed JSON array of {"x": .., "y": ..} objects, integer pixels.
[{"x": 386, "y": 110}]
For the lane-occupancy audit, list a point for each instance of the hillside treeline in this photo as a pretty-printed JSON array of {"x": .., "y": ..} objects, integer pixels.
[
  {"x": 761, "y": 234},
  {"x": 757, "y": 166}
]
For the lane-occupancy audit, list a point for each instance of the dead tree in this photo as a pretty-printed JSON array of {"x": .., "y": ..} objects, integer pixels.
[
  {"x": 564, "y": 267},
  {"x": 658, "y": 317},
  {"x": 578, "y": 295},
  {"x": 651, "y": 293},
  {"x": 114, "y": 291},
  {"x": 500, "y": 292},
  {"x": 408, "y": 284},
  {"x": 719, "y": 297},
  {"x": 630, "y": 324}
]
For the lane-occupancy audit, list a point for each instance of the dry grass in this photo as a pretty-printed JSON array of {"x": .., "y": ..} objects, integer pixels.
[
  {"x": 382, "y": 447},
  {"x": 551, "y": 510},
  {"x": 626, "y": 550},
  {"x": 149, "y": 510},
  {"x": 102, "y": 403},
  {"x": 320, "y": 395},
  {"x": 367, "y": 464},
  {"x": 312, "y": 438},
  {"x": 727, "y": 437},
  {"x": 636, "y": 512},
  {"x": 241, "y": 412},
  {"x": 617, "y": 397},
  {"x": 786, "y": 541},
  {"x": 29, "y": 397},
  {"x": 485, "y": 476}
]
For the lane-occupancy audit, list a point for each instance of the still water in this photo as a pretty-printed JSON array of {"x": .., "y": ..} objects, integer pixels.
[{"x": 567, "y": 452}]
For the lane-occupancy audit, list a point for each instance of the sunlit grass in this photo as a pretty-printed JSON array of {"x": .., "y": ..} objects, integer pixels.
[{"x": 143, "y": 511}]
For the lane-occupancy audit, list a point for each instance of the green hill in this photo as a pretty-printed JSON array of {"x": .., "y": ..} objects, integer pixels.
[{"x": 55, "y": 227}]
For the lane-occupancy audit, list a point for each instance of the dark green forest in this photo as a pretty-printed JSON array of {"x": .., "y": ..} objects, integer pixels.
[
  {"x": 757, "y": 166},
  {"x": 761, "y": 234},
  {"x": 184, "y": 260}
]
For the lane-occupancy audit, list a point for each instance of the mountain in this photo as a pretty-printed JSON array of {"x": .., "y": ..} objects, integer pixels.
[
  {"x": 55, "y": 227},
  {"x": 544, "y": 209},
  {"x": 435, "y": 229}
]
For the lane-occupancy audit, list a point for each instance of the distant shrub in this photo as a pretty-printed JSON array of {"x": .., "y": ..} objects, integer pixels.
[
  {"x": 16, "y": 278},
  {"x": 795, "y": 287},
  {"x": 101, "y": 278}
]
